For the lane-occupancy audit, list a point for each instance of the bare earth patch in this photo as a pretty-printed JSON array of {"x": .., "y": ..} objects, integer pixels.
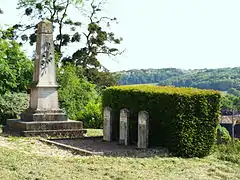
[{"x": 96, "y": 145}]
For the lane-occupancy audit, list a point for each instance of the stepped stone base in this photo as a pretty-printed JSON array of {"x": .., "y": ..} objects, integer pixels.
[
  {"x": 70, "y": 129},
  {"x": 67, "y": 133},
  {"x": 48, "y": 115}
]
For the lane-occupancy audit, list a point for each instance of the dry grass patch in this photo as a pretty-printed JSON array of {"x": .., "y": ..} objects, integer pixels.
[
  {"x": 94, "y": 132},
  {"x": 28, "y": 158}
]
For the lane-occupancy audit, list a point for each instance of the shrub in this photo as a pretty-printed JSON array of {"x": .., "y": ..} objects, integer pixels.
[
  {"x": 91, "y": 114},
  {"x": 78, "y": 97},
  {"x": 184, "y": 120},
  {"x": 15, "y": 67},
  {"x": 11, "y": 105},
  {"x": 229, "y": 152},
  {"x": 224, "y": 134}
]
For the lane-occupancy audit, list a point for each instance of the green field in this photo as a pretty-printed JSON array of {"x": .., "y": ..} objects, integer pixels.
[{"x": 28, "y": 158}]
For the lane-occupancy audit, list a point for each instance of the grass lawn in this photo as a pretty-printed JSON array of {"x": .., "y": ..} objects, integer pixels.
[{"x": 28, "y": 158}]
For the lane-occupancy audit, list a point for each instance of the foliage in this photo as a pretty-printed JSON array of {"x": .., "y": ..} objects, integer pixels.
[
  {"x": 54, "y": 10},
  {"x": 15, "y": 69},
  {"x": 11, "y": 105},
  {"x": 225, "y": 136},
  {"x": 78, "y": 97},
  {"x": 184, "y": 120},
  {"x": 101, "y": 78},
  {"x": 227, "y": 101},
  {"x": 92, "y": 114},
  {"x": 229, "y": 152},
  {"x": 95, "y": 38},
  {"x": 223, "y": 79},
  {"x": 234, "y": 92},
  {"x": 230, "y": 104},
  {"x": 148, "y": 76}
]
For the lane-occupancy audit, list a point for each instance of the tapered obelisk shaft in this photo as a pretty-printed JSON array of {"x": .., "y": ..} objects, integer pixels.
[{"x": 44, "y": 104}]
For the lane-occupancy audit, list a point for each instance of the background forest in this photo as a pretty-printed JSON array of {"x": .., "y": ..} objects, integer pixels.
[{"x": 226, "y": 80}]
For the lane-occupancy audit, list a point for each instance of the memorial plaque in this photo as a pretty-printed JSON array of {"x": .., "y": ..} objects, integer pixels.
[{"x": 46, "y": 93}]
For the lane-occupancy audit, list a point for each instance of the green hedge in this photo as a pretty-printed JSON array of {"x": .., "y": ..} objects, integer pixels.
[{"x": 184, "y": 120}]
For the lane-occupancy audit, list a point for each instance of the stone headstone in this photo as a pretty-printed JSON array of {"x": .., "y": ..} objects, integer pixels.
[
  {"x": 143, "y": 125},
  {"x": 44, "y": 95},
  {"x": 124, "y": 127},
  {"x": 107, "y": 124}
]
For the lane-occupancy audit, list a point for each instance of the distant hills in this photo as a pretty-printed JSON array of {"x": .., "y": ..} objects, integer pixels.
[{"x": 223, "y": 79}]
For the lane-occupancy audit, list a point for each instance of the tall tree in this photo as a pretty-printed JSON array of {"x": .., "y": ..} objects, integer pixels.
[
  {"x": 97, "y": 40},
  {"x": 55, "y": 11},
  {"x": 95, "y": 37},
  {"x": 15, "y": 67}
]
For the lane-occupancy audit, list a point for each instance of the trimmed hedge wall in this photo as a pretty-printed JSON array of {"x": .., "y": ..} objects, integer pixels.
[{"x": 184, "y": 120}]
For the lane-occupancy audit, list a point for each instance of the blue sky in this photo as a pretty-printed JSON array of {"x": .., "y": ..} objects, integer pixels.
[{"x": 185, "y": 34}]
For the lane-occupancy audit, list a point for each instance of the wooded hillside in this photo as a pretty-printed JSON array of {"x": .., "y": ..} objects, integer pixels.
[{"x": 223, "y": 79}]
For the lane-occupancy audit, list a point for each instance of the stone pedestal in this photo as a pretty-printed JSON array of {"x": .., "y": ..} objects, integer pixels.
[
  {"x": 41, "y": 115},
  {"x": 44, "y": 117},
  {"x": 69, "y": 129}
]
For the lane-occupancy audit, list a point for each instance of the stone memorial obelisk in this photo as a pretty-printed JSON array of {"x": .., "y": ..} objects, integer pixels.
[
  {"x": 44, "y": 95},
  {"x": 44, "y": 117}
]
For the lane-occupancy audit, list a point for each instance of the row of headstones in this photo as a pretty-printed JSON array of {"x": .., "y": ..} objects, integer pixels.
[{"x": 143, "y": 123}]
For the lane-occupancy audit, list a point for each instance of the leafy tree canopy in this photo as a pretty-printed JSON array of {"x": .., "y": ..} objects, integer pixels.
[
  {"x": 15, "y": 67},
  {"x": 78, "y": 97},
  {"x": 93, "y": 35}
]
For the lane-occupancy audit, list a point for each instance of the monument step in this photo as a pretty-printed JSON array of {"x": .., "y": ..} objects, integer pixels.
[
  {"x": 43, "y": 125},
  {"x": 69, "y": 133}
]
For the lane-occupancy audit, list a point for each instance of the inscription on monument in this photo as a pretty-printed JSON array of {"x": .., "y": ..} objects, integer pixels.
[{"x": 46, "y": 93}]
